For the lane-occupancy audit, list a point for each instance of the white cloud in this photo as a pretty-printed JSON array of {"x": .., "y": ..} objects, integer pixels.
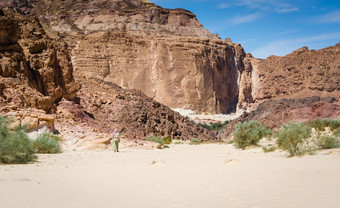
[
  {"x": 287, "y": 32},
  {"x": 223, "y": 6},
  {"x": 245, "y": 18},
  {"x": 279, "y": 6},
  {"x": 287, "y": 9},
  {"x": 283, "y": 47},
  {"x": 332, "y": 17}
]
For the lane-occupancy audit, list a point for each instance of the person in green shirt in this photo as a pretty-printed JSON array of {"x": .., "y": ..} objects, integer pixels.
[{"x": 116, "y": 140}]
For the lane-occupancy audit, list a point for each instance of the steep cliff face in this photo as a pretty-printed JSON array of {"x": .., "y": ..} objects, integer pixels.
[
  {"x": 299, "y": 74},
  {"x": 194, "y": 73},
  {"x": 167, "y": 54},
  {"x": 34, "y": 70}
]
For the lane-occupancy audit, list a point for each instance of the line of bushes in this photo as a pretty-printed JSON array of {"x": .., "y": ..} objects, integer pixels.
[
  {"x": 17, "y": 148},
  {"x": 214, "y": 126},
  {"x": 296, "y": 138}
]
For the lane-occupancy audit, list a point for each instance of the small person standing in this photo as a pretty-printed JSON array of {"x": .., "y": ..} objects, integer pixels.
[{"x": 116, "y": 140}]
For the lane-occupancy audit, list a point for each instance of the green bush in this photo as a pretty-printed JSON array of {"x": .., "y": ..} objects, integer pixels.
[
  {"x": 47, "y": 143},
  {"x": 321, "y": 124},
  {"x": 318, "y": 124},
  {"x": 160, "y": 140},
  {"x": 214, "y": 126},
  {"x": 333, "y": 124},
  {"x": 249, "y": 133},
  {"x": 327, "y": 142},
  {"x": 15, "y": 146},
  {"x": 195, "y": 141},
  {"x": 292, "y": 137},
  {"x": 336, "y": 133},
  {"x": 268, "y": 149}
]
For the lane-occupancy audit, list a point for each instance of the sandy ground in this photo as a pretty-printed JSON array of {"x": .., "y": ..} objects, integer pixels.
[
  {"x": 209, "y": 175},
  {"x": 207, "y": 118}
]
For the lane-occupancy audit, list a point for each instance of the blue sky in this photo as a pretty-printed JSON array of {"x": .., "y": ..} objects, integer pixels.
[{"x": 268, "y": 27}]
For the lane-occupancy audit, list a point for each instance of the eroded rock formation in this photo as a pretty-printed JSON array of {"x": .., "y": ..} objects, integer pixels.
[
  {"x": 34, "y": 70},
  {"x": 299, "y": 74},
  {"x": 135, "y": 114}
]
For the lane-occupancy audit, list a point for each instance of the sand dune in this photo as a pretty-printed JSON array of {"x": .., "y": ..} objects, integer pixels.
[{"x": 209, "y": 175}]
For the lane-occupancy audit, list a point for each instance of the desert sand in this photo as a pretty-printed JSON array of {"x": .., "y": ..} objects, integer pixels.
[{"x": 209, "y": 175}]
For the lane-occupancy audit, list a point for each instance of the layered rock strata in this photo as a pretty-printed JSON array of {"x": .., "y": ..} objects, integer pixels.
[{"x": 34, "y": 70}]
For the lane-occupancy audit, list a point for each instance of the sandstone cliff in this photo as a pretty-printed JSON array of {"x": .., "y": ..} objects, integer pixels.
[
  {"x": 34, "y": 70},
  {"x": 167, "y": 54}
]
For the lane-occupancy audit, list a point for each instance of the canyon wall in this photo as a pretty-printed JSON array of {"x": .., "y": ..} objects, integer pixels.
[
  {"x": 34, "y": 70},
  {"x": 167, "y": 54}
]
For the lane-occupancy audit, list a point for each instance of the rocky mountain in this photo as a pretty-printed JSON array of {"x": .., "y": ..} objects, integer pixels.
[{"x": 300, "y": 74}]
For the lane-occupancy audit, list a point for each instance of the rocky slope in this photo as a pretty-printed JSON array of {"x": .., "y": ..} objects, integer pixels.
[
  {"x": 135, "y": 114},
  {"x": 274, "y": 113}
]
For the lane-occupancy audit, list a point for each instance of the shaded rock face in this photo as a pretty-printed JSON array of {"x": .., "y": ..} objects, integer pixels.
[
  {"x": 167, "y": 54},
  {"x": 34, "y": 70},
  {"x": 274, "y": 113},
  {"x": 195, "y": 73},
  {"x": 136, "y": 115},
  {"x": 299, "y": 74}
]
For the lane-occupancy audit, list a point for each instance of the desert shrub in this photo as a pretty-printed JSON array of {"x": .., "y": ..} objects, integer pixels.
[
  {"x": 195, "y": 141},
  {"x": 291, "y": 137},
  {"x": 327, "y": 142},
  {"x": 321, "y": 124},
  {"x": 163, "y": 141},
  {"x": 333, "y": 124},
  {"x": 249, "y": 133},
  {"x": 167, "y": 140},
  {"x": 318, "y": 124},
  {"x": 15, "y": 146},
  {"x": 336, "y": 133},
  {"x": 269, "y": 149},
  {"x": 214, "y": 126},
  {"x": 47, "y": 143}
]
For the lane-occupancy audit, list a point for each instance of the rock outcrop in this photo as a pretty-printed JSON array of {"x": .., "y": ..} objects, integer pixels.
[
  {"x": 300, "y": 74},
  {"x": 35, "y": 71},
  {"x": 136, "y": 115}
]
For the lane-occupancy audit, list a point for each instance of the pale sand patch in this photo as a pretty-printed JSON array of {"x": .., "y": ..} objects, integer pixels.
[
  {"x": 206, "y": 118},
  {"x": 209, "y": 175}
]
